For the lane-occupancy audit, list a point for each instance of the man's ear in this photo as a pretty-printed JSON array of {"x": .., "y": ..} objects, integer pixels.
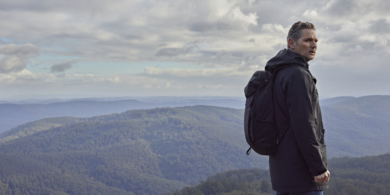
[{"x": 291, "y": 43}]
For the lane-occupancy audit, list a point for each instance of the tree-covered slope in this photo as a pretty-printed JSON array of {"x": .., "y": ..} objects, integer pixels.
[
  {"x": 349, "y": 176},
  {"x": 36, "y": 126},
  {"x": 142, "y": 151},
  {"x": 358, "y": 127}
]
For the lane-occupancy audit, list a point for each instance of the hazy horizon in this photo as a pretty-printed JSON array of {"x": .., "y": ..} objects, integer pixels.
[{"x": 154, "y": 99}]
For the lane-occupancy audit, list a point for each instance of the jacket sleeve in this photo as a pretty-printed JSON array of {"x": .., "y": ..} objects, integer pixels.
[{"x": 299, "y": 92}]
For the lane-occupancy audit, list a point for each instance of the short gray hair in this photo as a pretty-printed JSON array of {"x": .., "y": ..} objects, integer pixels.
[{"x": 295, "y": 30}]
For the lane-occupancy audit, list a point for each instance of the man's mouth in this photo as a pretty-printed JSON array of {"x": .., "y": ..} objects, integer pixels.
[{"x": 312, "y": 52}]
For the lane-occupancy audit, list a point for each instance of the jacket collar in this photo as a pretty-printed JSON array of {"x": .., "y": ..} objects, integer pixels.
[{"x": 286, "y": 57}]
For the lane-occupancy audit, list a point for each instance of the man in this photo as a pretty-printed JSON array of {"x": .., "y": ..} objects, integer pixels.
[{"x": 299, "y": 166}]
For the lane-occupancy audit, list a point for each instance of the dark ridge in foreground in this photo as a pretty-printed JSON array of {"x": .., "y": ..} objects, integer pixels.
[{"x": 349, "y": 176}]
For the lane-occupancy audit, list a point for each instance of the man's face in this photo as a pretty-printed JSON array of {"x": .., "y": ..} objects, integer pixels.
[{"x": 306, "y": 46}]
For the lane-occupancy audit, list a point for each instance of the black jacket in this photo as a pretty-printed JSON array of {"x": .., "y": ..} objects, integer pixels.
[{"x": 301, "y": 153}]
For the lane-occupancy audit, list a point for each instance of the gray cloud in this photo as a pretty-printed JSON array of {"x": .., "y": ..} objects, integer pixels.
[
  {"x": 205, "y": 27},
  {"x": 354, "y": 9},
  {"x": 50, "y": 5},
  {"x": 231, "y": 34},
  {"x": 223, "y": 55},
  {"x": 16, "y": 57},
  {"x": 380, "y": 26},
  {"x": 252, "y": 62},
  {"x": 171, "y": 52},
  {"x": 133, "y": 31},
  {"x": 343, "y": 7},
  {"x": 344, "y": 37},
  {"x": 61, "y": 67}
]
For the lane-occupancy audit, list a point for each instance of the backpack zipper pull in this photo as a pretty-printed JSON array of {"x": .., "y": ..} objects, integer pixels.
[{"x": 248, "y": 151}]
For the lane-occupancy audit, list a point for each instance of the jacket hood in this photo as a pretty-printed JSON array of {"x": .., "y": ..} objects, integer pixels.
[{"x": 285, "y": 57}]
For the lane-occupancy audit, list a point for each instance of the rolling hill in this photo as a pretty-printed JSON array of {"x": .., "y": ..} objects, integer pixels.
[{"x": 140, "y": 151}]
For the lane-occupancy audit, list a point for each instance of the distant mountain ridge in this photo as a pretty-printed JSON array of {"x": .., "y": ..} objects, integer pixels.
[
  {"x": 335, "y": 100},
  {"x": 12, "y": 115}
]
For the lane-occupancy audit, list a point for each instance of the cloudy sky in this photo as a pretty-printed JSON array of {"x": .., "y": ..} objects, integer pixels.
[{"x": 98, "y": 48}]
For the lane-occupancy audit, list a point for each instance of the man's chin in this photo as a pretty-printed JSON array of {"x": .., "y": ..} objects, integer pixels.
[{"x": 308, "y": 58}]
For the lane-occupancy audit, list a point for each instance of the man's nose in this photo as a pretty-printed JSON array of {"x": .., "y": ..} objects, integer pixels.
[{"x": 313, "y": 44}]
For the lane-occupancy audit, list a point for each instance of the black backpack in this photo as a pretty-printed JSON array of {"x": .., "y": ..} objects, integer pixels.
[{"x": 259, "y": 119}]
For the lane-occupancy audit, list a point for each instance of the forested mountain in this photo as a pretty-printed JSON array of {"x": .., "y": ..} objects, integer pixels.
[
  {"x": 12, "y": 115},
  {"x": 140, "y": 151},
  {"x": 349, "y": 176},
  {"x": 159, "y": 150},
  {"x": 354, "y": 126},
  {"x": 358, "y": 127}
]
